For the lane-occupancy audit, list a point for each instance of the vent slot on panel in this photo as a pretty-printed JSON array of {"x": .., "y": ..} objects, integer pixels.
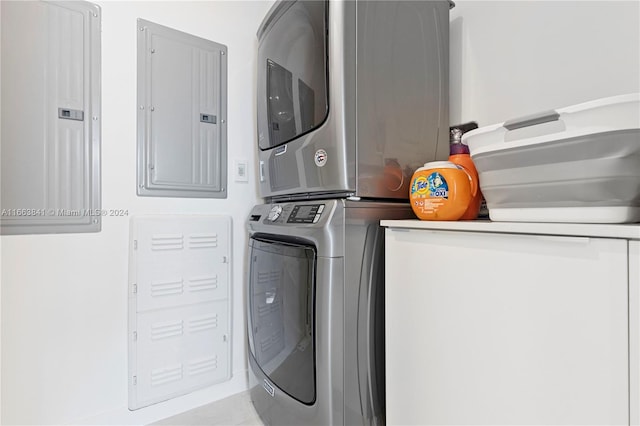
[
  {"x": 202, "y": 324},
  {"x": 203, "y": 241},
  {"x": 163, "y": 376},
  {"x": 165, "y": 331},
  {"x": 167, "y": 242},
  {"x": 203, "y": 365},
  {"x": 167, "y": 288},
  {"x": 203, "y": 284}
]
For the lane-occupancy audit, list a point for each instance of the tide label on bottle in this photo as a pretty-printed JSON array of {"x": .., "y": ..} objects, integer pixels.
[{"x": 440, "y": 191}]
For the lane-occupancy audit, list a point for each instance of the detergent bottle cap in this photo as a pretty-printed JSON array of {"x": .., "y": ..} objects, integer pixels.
[{"x": 456, "y": 146}]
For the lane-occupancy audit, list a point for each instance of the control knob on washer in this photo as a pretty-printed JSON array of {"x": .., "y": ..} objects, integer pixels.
[{"x": 275, "y": 213}]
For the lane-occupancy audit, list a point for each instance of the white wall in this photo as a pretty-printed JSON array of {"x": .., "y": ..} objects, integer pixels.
[
  {"x": 514, "y": 58},
  {"x": 64, "y": 297}
]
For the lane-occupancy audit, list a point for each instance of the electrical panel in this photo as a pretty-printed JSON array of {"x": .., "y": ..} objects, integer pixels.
[
  {"x": 50, "y": 144},
  {"x": 182, "y": 114}
]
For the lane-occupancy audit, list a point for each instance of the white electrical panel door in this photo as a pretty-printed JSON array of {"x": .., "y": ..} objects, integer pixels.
[
  {"x": 50, "y": 145},
  {"x": 179, "y": 306},
  {"x": 182, "y": 100},
  {"x": 497, "y": 329}
]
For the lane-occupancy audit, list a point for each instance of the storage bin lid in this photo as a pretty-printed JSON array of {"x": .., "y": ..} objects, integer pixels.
[{"x": 598, "y": 116}]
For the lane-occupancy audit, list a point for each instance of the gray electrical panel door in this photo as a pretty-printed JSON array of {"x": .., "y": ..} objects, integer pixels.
[
  {"x": 50, "y": 145},
  {"x": 182, "y": 108}
]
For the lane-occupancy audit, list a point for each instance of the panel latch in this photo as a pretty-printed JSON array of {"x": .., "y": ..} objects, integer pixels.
[
  {"x": 71, "y": 114},
  {"x": 208, "y": 118}
]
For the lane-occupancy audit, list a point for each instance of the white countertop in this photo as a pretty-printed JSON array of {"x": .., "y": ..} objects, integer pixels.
[{"x": 627, "y": 231}]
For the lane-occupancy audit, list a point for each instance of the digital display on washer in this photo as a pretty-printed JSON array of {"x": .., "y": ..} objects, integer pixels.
[{"x": 305, "y": 213}]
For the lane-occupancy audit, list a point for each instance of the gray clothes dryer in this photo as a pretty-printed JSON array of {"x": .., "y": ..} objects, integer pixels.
[
  {"x": 315, "y": 304},
  {"x": 352, "y": 96}
]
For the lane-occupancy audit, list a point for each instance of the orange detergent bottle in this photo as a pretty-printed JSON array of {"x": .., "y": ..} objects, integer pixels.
[
  {"x": 459, "y": 154},
  {"x": 441, "y": 190}
]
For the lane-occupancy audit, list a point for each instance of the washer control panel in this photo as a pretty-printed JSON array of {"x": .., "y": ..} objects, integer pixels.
[
  {"x": 302, "y": 213},
  {"x": 287, "y": 213}
]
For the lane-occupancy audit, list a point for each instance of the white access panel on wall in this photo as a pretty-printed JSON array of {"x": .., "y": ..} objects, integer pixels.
[
  {"x": 50, "y": 142},
  {"x": 179, "y": 305},
  {"x": 182, "y": 109}
]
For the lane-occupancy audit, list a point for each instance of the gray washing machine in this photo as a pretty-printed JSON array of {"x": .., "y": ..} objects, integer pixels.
[{"x": 315, "y": 304}]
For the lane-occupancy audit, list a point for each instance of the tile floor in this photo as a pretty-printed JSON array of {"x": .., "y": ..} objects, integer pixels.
[{"x": 235, "y": 410}]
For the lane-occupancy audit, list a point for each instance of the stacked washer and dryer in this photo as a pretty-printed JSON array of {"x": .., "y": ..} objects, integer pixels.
[{"x": 352, "y": 98}]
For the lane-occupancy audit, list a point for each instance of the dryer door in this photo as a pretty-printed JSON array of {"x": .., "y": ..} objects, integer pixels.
[
  {"x": 281, "y": 313},
  {"x": 292, "y": 72}
]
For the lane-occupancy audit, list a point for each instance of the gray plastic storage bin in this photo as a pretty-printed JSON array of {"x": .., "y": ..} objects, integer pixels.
[{"x": 575, "y": 164}]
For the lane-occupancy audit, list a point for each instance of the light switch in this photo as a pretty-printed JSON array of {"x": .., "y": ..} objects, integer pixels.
[{"x": 241, "y": 171}]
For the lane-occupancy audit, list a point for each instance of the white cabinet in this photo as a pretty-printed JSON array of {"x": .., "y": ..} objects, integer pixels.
[{"x": 490, "y": 327}]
